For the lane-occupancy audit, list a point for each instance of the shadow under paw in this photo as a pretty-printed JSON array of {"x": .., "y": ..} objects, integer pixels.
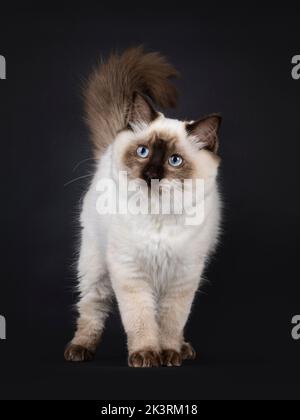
[
  {"x": 144, "y": 359},
  {"x": 171, "y": 358},
  {"x": 75, "y": 353},
  {"x": 188, "y": 352}
]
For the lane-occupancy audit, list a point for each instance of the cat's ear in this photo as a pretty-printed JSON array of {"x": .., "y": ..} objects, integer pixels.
[
  {"x": 205, "y": 132},
  {"x": 142, "y": 111}
]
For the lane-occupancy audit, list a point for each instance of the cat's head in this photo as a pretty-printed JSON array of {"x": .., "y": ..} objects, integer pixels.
[{"x": 155, "y": 147}]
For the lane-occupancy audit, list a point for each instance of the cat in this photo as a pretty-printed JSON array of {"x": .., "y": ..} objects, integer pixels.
[{"x": 151, "y": 264}]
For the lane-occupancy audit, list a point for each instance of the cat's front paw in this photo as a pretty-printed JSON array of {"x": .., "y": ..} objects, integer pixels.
[
  {"x": 144, "y": 359},
  {"x": 75, "y": 353},
  {"x": 171, "y": 358},
  {"x": 188, "y": 352}
]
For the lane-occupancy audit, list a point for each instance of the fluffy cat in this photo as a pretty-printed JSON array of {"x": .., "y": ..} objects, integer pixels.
[{"x": 152, "y": 264}]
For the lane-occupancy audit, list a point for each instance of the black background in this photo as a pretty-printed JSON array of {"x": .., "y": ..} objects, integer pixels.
[{"x": 233, "y": 60}]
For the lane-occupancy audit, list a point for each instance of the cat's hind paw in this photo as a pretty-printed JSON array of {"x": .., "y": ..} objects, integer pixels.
[{"x": 75, "y": 353}]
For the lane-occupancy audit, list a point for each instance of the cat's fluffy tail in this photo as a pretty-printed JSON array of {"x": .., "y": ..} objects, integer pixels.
[{"x": 111, "y": 87}]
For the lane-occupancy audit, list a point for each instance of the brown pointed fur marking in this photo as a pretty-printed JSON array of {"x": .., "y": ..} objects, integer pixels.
[
  {"x": 161, "y": 148},
  {"x": 206, "y": 131},
  {"x": 187, "y": 352},
  {"x": 144, "y": 358},
  {"x": 141, "y": 110},
  {"x": 171, "y": 358},
  {"x": 110, "y": 89},
  {"x": 75, "y": 353}
]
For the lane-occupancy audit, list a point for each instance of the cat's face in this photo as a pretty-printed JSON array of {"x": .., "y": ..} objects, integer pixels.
[
  {"x": 158, "y": 155},
  {"x": 158, "y": 148}
]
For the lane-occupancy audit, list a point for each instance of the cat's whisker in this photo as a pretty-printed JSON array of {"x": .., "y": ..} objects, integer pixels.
[
  {"x": 81, "y": 162},
  {"x": 77, "y": 179}
]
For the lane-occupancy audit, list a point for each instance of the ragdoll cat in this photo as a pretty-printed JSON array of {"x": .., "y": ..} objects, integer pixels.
[{"x": 152, "y": 264}]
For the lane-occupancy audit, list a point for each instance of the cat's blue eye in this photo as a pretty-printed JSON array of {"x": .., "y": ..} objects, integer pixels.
[
  {"x": 175, "y": 160},
  {"x": 142, "y": 151}
]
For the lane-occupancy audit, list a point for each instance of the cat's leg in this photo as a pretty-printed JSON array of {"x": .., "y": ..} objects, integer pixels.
[
  {"x": 174, "y": 309},
  {"x": 94, "y": 302},
  {"x": 137, "y": 306}
]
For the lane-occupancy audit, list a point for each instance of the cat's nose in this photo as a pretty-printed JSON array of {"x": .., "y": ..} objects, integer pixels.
[{"x": 152, "y": 173}]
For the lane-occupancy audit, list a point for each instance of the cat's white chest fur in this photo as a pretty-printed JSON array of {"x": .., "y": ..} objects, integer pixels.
[
  {"x": 159, "y": 249},
  {"x": 162, "y": 249}
]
